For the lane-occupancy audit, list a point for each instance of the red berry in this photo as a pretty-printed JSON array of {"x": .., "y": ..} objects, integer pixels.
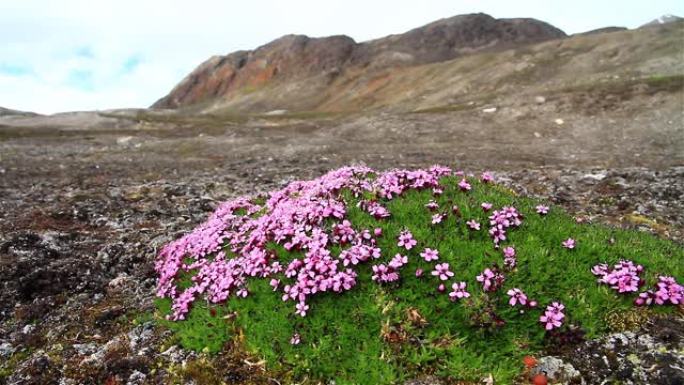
[
  {"x": 530, "y": 362},
  {"x": 540, "y": 379}
]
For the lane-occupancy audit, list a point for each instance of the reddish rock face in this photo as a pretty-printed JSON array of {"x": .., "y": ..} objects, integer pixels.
[{"x": 319, "y": 61}]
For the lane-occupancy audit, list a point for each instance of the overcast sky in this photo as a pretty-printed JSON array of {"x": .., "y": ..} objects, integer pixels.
[{"x": 84, "y": 54}]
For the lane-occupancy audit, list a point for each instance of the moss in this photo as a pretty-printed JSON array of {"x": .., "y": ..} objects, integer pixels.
[{"x": 383, "y": 334}]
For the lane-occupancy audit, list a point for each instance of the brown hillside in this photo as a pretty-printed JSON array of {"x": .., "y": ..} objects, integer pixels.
[{"x": 312, "y": 64}]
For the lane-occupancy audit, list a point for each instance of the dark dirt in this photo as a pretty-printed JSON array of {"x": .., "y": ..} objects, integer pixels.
[{"x": 82, "y": 216}]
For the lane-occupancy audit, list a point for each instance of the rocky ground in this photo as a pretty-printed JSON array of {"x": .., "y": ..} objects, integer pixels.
[{"x": 83, "y": 214}]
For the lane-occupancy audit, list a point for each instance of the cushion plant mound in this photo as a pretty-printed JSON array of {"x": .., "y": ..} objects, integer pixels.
[{"x": 374, "y": 277}]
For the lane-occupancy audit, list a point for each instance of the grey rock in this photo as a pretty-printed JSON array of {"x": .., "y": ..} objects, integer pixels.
[
  {"x": 136, "y": 378},
  {"x": 85, "y": 349},
  {"x": 558, "y": 370}
]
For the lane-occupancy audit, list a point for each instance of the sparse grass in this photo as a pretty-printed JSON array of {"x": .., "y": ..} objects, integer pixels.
[{"x": 383, "y": 334}]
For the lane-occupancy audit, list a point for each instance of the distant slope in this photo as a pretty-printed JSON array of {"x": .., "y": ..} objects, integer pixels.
[
  {"x": 10, "y": 112},
  {"x": 425, "y": 68},
  {"x": 663, "y": 20},
  {"x": 309, "y": 65}
]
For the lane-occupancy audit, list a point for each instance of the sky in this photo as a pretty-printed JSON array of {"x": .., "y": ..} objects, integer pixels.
[{"x": 74, "y": 55}]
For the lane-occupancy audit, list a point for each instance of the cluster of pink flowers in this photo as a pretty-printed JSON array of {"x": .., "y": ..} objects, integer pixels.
[
  {"x": 308, "y": 217},
  {"x": 623, "y": 277},
  {"x": 375, "y": 209},
  {"x": 491, "y": 279},
  {"x": 501, "y": 220},
  {"x": 667, "y": 291},
  {"x": 553, "y": 316},
  {"x": 509, "y": 257},
  {"x": 389, "y": 273}
]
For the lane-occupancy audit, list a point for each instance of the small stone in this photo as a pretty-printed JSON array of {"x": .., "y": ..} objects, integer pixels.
[
  {"x": 559, "y": 121},
  {"x": 489, "y": 110},
  {"x": 6, "y": 350},
  {"x": 539, "y": 99},
  {"x": 557, "y": 370},
  {"x": 124, "y": 140},
  {"x": 85, "y": 349},
  {"x": 136, "y": 378}
]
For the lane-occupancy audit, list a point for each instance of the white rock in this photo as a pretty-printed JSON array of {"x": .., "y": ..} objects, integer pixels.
[
  {"x": 122, "y": 141},
  {"x": 559, "y": 121},
  {"x": 558, "y": 370},
  {"x": 539, "y": 99},
  {"x": 276, "y": 112},
  {"x": 489, "y": 110},
  {"x": 6, "y": 350}
]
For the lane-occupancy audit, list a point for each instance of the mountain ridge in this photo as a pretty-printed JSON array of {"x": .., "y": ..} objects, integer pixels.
[{"x": 293, "y": 57}]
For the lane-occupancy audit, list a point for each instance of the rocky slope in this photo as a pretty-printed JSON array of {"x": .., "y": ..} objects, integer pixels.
[
  {"x": 450, "y": 64},
  {"x": 319, "y": 61},
  {"x": 10, "y": 112}
]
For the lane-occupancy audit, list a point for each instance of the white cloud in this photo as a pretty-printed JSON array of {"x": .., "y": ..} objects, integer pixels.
[{"x": 74, "y": 54}]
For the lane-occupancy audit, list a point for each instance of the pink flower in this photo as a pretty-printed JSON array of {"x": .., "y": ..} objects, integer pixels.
[
  {"x": 430, "y": 255},
  {"x": 569, "y": 243},
  {"x": 383, "y": 274},
  {"x": 486, "y": 206},
  {"x": 517, "y": 297},
  {"x": 442, "y": 271},
  {"x": 669, "y": 291},
  {"x": 301, "y": 309},
  {"x": 473, "y": 224},
  {"x": 464, "y": 185},
  {"x": 275, "y": 283},
  {"x": 501, "y": 220},
  {"x": 419, "y": 272},
  {"x": 553, "y": 316},
  {"x": 437, "y": 218},
  {"x": 406, "y": 240},
  {"x": 459, "y": 291},
  {"x": 510, "y": 259},
  {"x": 486, "y": 177},
  {"x": 432, "y": 205},
  {"x": 491, "y": 279},
  {"x": 398, "y": 261},
  {"x": 542, "y": 210},
  {"x": 623, "y": 277},
  {"x": 296, "y": 339},
  {"x": 441, "y": 288},
  {"x": 377, "y": 232}
]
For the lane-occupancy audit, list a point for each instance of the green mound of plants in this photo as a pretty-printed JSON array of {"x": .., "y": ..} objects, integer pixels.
[{"x": 374, "y": 278}]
